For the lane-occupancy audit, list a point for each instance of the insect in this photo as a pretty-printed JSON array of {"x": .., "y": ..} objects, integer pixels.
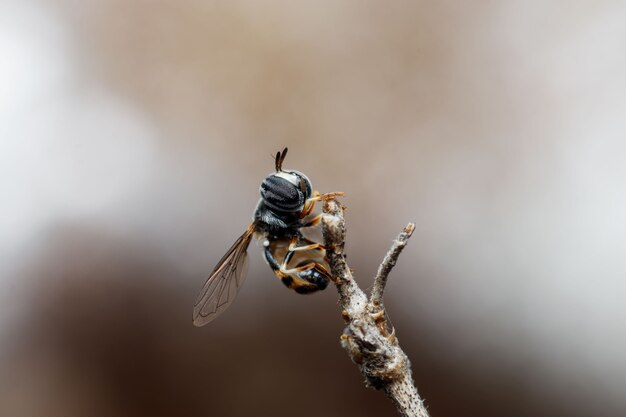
[{"x": 287, "y": 200}]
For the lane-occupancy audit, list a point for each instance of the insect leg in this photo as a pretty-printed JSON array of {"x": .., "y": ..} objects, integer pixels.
[
  {"x": 309, "y": 204},
  {"x": 281, "y": 270},
  {"x": 313, "y": 222},
  {"x": 302, "y": 268},
  {"x": 294, "y": 278},
  {"x": 311, "y": 246},
  {"x": 298, "y": 269}
]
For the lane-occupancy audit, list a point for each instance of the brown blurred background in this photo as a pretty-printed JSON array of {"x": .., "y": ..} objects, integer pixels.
[{"x": 134, "y": 136}]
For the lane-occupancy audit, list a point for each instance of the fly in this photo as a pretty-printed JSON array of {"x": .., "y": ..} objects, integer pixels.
[{"x": 286, "y": 203}]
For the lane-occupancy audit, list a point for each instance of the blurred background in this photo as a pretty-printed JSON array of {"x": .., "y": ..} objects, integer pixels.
[{"x": 133, "y": 139}]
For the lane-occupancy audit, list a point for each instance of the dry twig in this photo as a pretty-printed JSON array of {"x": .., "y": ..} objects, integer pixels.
[{"x": 366, "y": 338}]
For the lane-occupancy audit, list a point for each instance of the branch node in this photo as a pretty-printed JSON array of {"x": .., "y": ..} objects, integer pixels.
[{"x": 378, "y": 316}]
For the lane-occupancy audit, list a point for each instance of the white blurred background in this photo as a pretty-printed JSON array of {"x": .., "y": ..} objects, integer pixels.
[{"x": 133, "y": 138}]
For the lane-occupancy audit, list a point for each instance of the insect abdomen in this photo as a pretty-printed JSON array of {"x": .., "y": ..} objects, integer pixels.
[{"x": 308, "y": 281}]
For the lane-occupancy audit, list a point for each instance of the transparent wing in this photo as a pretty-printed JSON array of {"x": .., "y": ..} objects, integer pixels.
[{"x": 220, "y": 289}]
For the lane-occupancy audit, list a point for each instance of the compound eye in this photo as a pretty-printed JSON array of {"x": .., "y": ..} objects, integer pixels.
[
  {"x": 304, "y": 184},
  {"x": 281, "y": 192}
]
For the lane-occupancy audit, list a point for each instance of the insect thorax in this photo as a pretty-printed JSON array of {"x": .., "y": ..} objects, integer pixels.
[{"x": 275, "y": 223}]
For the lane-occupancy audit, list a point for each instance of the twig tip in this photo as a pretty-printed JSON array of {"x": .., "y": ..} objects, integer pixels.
[{"x": 409, "y": 229}]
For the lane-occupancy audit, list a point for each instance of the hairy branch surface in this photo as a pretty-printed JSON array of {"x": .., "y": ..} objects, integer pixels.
[{"x": 367, "y": 338}]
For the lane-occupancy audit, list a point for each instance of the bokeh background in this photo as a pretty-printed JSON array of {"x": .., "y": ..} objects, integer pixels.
[{"x": 133, "y": 138}]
